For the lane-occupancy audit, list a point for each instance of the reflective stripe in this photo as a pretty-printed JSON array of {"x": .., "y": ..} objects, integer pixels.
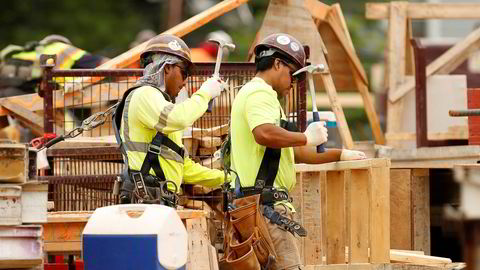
[{"x": 162, "y": 120}]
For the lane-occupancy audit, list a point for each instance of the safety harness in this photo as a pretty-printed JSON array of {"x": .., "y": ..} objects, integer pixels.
[
  {"x": 264, "y": 186},
  {"x": 147, "y": 188}
]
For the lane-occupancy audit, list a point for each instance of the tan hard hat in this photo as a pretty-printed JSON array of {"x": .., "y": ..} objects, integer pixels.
[
  {"x": 169, "y": 44},
  {"x": 284, "y": 44}
]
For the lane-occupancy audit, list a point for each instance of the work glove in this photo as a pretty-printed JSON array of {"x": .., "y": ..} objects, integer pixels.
[
  {"x": 316, "y": 133},
  {"x": 213, "y": 86},
  {"x": 352, "y": 155}
]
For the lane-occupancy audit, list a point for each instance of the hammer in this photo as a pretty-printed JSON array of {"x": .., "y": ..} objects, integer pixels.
[
  {"x": 311, "y": 69},
  {"x": 216, "y": 74}
]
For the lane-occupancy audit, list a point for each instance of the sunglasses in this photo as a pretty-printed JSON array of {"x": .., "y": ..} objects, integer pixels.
[
  {"x": 291, "y": 70},
  {"x": 183, "y": 70}
]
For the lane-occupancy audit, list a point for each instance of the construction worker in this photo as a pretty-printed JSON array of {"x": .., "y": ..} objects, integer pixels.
[
  {"x": 265, "y": 147},
  {"x": 151, "y": 125},
  {"x": 20, "y": 70}
]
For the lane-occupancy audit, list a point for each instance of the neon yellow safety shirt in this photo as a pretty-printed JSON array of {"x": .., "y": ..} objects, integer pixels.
[
  {"x": 257, "y": 104},
  {"x": 147, "y": 111},
  {"x": 67, "y": 54}
]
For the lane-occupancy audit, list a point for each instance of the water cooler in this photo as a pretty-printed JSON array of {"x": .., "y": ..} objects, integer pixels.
[{"x": 134, "y": 236}]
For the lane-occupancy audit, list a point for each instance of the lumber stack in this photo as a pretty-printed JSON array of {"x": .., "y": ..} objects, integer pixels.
[
  {"x": 203, "y": 145},
  {"x": 23, "y": 207}
]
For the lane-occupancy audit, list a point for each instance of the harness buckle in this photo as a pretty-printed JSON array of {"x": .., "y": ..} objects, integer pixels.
[
  {"x": 140, "y": 186},
  {"x": 154, "y": 149}
]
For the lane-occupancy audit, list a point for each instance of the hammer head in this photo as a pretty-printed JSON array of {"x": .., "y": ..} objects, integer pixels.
[
  {"x": 310, "y": 69},
  {"x": 221, "y": 44}
]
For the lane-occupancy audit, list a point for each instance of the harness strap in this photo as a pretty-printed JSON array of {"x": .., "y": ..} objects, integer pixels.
[{"x": 288, "y": 224}]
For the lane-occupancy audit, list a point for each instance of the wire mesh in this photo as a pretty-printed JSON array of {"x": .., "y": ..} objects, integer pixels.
[{"x": 82, "y": 178}]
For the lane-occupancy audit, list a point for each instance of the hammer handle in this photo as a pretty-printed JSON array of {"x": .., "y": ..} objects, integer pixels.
[{"x": 316, "y": 118}]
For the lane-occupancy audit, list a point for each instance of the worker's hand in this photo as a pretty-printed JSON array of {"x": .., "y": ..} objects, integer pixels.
[
  {"x": 352, "y": 155},
  {"x": 213, "y": 86},
  {"x": 316, "y": 133}
]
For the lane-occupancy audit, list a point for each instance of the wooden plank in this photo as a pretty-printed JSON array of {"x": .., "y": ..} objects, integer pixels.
[
  {"x": 359, "y": 216},
  {"x": 377, "y": 11},
  {"x": 89, "y": 97},
  {"x": 206, "y": 151},
  {"x": 342, "y": 125},
  {"x": 209, "y": 142},
  {"x": 380, "y": 215},
  {"x": 318, "y": 9},
  {"x": 312, "y": 216},
  {"x": 436, "y": 153},
  {"x": 407, "y": 257},
  {"x": 213, "y": 131},
  {"x": 400, "y": 209},
  {"x": 19, "y": 263},
  {"x": 334, "y": 18},
  {"x": 297, "y": 195},
  {"x": 335, "y": 218},
  {"x": 409, "y": 56},
  {"x": 131, "y": 56},
  {"x": 396, "y": 62},
  {"x": 337, "y": 22},
  {"x": 198, "y": 244},
  {"x": 83, "y": 216},
  {"x": 370, "y": 111},
  {"x": 421, "y": 210},
  {"x": 30, "y": 119},
  {"x": 346, "y": 99},
  {"x": 443, "y": 64},
  {"x": 344, "y": 165}
]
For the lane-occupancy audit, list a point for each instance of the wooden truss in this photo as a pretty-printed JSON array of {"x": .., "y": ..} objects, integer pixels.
[{"x": 400, "y": 56}]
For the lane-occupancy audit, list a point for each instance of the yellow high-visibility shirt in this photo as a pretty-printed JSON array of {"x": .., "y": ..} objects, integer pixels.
[
  {"x": 66, "y": 54},
  {"x": 257, "y": 104},
  {"x": 148, "y": 112}
]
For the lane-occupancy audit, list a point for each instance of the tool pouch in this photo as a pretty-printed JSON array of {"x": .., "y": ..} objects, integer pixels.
[
  {"x": 248, "y": 261},
  {"x": 247, "y": 233}
]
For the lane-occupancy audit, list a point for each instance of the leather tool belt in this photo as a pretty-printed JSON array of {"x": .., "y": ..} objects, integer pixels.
[{"x": 268, "y": 196}]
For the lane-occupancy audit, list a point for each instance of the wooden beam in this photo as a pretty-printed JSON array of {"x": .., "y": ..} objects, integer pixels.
[
  {"x": 443, "y": 64},
  {"x": 129, "y": 57},
  {"x": 28, "y": 118},
  {"x": 337, "y": 109},
  {"x": 344, "y": 165},
  {"x": 346, "y": 99},
  {"x": 377, "y": 11},
  {"x": 90, "y": 96},
  {"x": 318, "y": 9},
  {"x": 334, "y": 17},
  {"x": 397, "y": 31}
]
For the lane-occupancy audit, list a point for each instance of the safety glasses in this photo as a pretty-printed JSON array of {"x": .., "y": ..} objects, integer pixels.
[
  {"x": 183, "y": 70},
  {"x": 290, "y": 68}
]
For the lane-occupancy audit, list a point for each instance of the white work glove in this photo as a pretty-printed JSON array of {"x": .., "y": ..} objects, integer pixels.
[
  {"x": 352, "y": 155},
  {"x": 213, "y": 86},
  {"x": 316, "y": 133}
]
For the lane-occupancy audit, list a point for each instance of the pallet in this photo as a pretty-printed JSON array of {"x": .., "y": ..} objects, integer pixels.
[{"x": 344, "y": 204}]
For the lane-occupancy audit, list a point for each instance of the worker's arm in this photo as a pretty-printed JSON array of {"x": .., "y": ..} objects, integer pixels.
[
  {"x": 273, "y": 136},
  {"x": 309, "y": 155},
  {"x": 158, "y": 113},
  {"x": 194, "y": 173}
]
